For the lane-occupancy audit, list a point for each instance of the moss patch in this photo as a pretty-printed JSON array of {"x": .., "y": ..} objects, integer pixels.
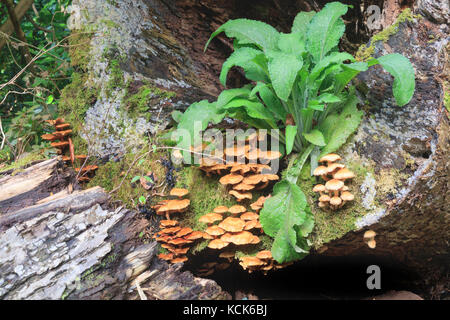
[
  {"x": 366, "y": 52},
  {"x": 79, "y": 48}
]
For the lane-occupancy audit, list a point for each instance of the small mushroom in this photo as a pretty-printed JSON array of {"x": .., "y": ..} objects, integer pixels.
[
  {"x": 210, "y": 218},
  {"x": 183, "y": 232},
  {"x": 194, "y": 235},
  {"x": 346, "y": 196},
  {"x": 168, "y": 223},
  {"x": 166, "y": 256},
  {"x": 179, "y": 192},
  {"x": 334, "y": 185},
  {"x": 240, "y": 238},
  {"x": 319, "y": 188},
  {"x": 62, "y": 126},
  {"x": 229, "y": 255},
  {"x": 217, "y": 244},
  {"x": 335, "y": 202},
  {"x": 236, "y": 209},
  {"x": 240, "y": 196},
  {"x": 329, "y": 158},
  {"x": 215, "y": 231},
  {"x": 179, "y": 260},
  {"x": 243, "y": 187},
  {"x": 221, "y": 209},
  {"x": 231, "y": 224},
  {"x": 344, "y": 174},
  {"x": 321, "y": 171},
  {"x": 231, "y": 179},
  {"x": 249, "y": 216}
]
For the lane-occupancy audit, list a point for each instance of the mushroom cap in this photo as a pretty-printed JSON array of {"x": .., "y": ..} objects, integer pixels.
[
  {"x": 255, "y": 240},
  {"x": 335, "y": 201},
  {"x": 231, "y": 224},
  {"x": 227, "y": 254},
  {"x": 235, "y": 151},
  {"x": 335, "y": 166},
  {"x": 320, "y": 171},
  {"x": 165, "y": 256},
  {"x": 258, "y": 204},
  {"x": 217, "y": 244},
  {"x": 270, "y": 155},
  {"x": 168, "y": 223},
  {"x": 210, "y": 218},
  {"x": 331, "y": 157},
  {"x": 169, "y": 230},
  {"x": 215, "y": 231},
  {"x": 322, "y": 204},
  {"x": 265, "y": 254},
  {"x": 179, "y": 251},
  {"x": 325, "y": 198},
  {"x": 369, "y": 234},
  {"x": 59, "y": 145},
  {"x": 183, "y": 232},
  {"x": 240, "y": 238},
  {"x": 343, "y": 174},
  {"x": 236, "y": 209},
  {"x": 231, "y": 179},
  {"x": 241, "y": 168},
  {"x": 372, "y": 243},
  {"x": 179, "y": 192},
  {"x": 221, "y": 209},
  {"x": 251, "y": 262},
  {"x": 249, "y": 216},
  {"x": 49, "y": 137},
  {"x": 240, "y": 196},
  {"x": 345, "y": 188},
  {"x": 62, "y": 126},
  {"x": 253, "y": 179},
  {"x": 250, "y": 224},
  {"x": 347, "y": 196},
  {"x": 179, "y": 241},
  {"x": 334, "y": 184},
  {"x": 319, "y": 188},
  {"x": 179, "y": 259},
  {"x": 194, "y": 235},
  {"x": 243, "y": 187},
  {"x": 253, "y": 155},
  {"x": 175, "y": 205}
]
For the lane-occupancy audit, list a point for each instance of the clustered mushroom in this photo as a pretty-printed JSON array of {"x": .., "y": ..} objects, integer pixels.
[
  {"x": 242, "y": 173},
  {"x": 261, "y": 261},
  {"x": 175, "y": 238},
  {"x": 334, "y": 193},
  {"x": 63, "y": 134},
  {"x": 369, "y": 238}
]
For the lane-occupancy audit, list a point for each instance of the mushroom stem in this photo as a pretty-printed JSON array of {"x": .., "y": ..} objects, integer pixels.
[{"x": 324, "y": 177}]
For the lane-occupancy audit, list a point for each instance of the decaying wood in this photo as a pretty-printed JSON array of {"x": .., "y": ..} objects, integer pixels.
[{"x": 75, "y": 246}]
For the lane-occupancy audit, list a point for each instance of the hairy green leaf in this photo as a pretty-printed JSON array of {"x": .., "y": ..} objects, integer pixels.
[
  {"x": 404, "y": 78},
  {"x": 270, "y": 100},
  {"x": 325, "y": 30},
  {"x": 283, "y": 69},
  {"x": 241, "y": 57},
  {"x": 301, "y": 21},
  {"x": 336, "y": 128},
  {"x": 253, "y": 109},
  {"x": 291, "y": 43},
  {"x": 282, "y": 212},
  {"x": 291, "y": 132},
  {"x": 227, "y": 95},
  {"x": 249, "y": 32},
  {"x": 315, "y": 137}
]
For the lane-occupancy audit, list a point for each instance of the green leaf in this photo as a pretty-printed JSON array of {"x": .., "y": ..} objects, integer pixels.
[
  {"x": 176, "y": 115},
  {"x": 283, "y": 69},
  {"x": 253, "y": 109},
  {"x": 325, "y": 30},
  {"x": 270, "y": 100},
  {"x": 404, "y": 78},
  {"x": 282, "y": 212},
  {"x": 349, "y": 71},
  {"x": 301, "y": 22},
  {"x": 142, "y": 200},
  {"x": 227, "y": 95},
  {"x": 249, "y": 32},
  {"x": 291, "y": 132},
  {"x": 135, "y": 178},
  {"x": 336, "y": 128},
  {"x": 315, "y": 137},
  {"x": 240, "y": 57},
  {"x": 328, "y": 98},
  {"x": 148, "y": 179},
  {"x": 292, "y": 43}
]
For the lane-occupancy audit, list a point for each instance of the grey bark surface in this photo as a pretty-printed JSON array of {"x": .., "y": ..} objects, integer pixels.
[{"x": 78, "y": 247}]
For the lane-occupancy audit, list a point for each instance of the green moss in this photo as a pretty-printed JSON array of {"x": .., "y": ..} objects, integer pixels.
[
  {"x": 138, "y": 104},
  {"x": 447, "y": 96},
  {"x": 79, "y": 48},
  {"x": 24, "y": 160},
  {"x": 76, "y": 98},
  {"x": 116, "y": 79},
  {"x": 366, "y": 52}
]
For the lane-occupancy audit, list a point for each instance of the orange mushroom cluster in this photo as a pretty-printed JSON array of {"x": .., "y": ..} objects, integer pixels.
[
  {"x": 262, "y": 261},
  {"x": 240, "y": 169},
  {"x": 63, "y": 134},
  {"x": 334, "y": 193},
  {"x": 175, "y": 238}
]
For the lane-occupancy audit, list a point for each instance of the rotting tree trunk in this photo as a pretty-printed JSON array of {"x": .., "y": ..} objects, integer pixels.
[
  {"x": 74, "y": 245},
  {"x": 405, "y": 150}
]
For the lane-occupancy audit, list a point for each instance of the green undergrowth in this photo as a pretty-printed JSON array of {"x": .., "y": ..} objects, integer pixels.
[
  {"x": 24, "y": 160},
  {"x": 366, "y": 52}
]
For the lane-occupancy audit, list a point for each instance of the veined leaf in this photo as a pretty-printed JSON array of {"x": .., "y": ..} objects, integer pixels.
[
  {"x": 349, "y": 72},
  {"x": 227, "y": 95},
  {"x": 282, "y": 212},
  {"x": 292, "y": 43},
  {"x": 325, "y": 30},
  {"x": 315, "y": 137},
  {"x": 337, "y": 128},
  {"x": 253, "y": 109},
  {"x": 404, "y": 78},
  {"x": 283, "y": 69},
  {"x": 327, "y": 62},
  {"x": 240, "y": 57},
  {"x": 301, "y": 21},
  {"x": 270, "y": 100},
  {"x": 291, "y": 132},
  {"x": 249, "y": 32},
  {"x": 328, "y": 98}
]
